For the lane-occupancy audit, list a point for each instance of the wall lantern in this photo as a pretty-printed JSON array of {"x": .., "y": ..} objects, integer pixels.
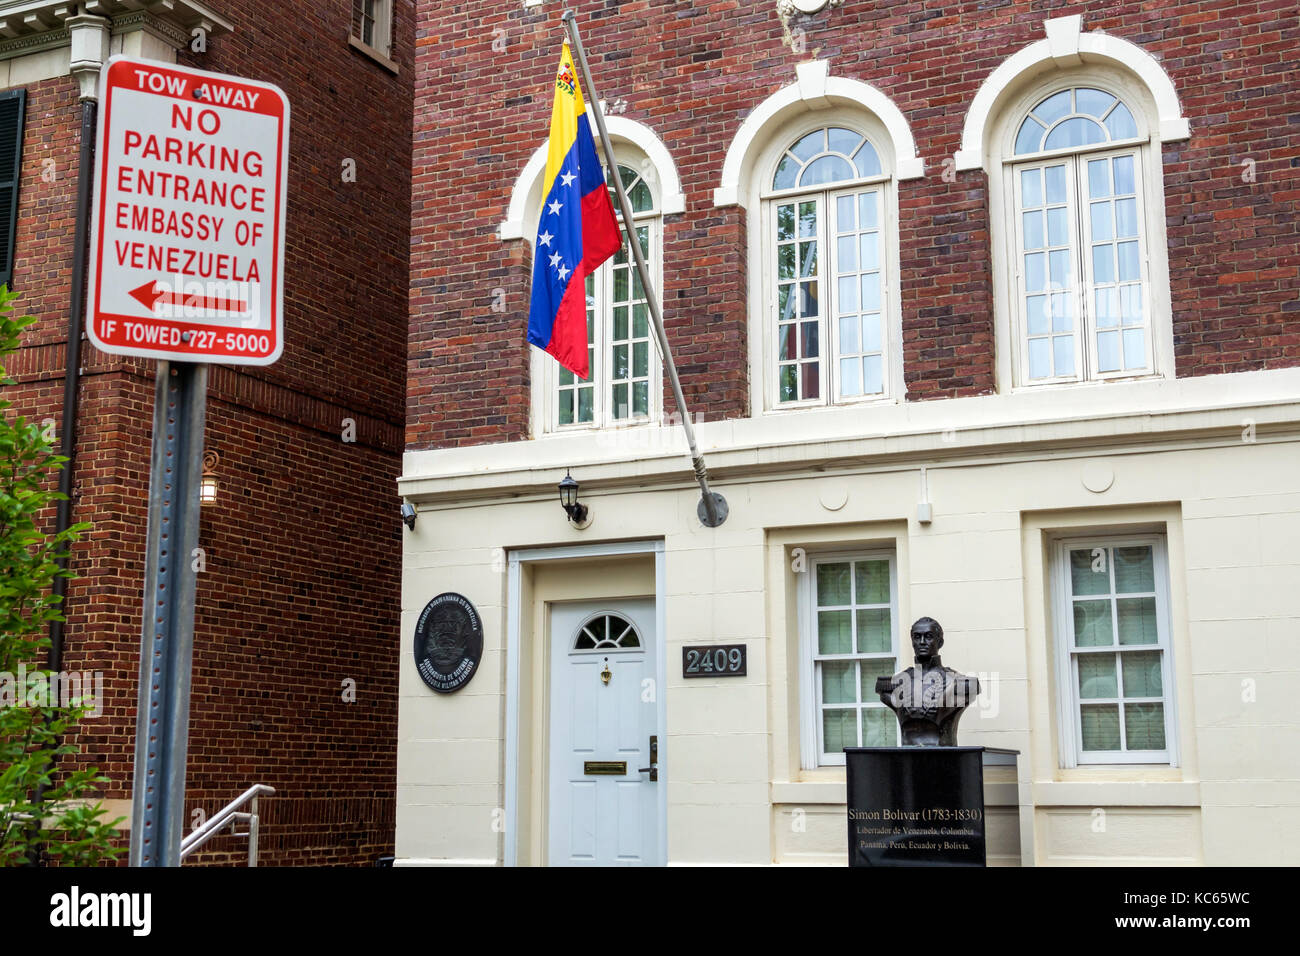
[
  {"x": 569, "y": 500},
  {"x": 208, "y": 484}
]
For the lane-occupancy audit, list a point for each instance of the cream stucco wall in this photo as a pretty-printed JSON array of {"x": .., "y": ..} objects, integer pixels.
[{"x": 1211, "y": 464}]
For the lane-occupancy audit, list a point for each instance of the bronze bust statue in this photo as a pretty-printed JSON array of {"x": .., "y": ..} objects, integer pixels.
[{"x": 928, "y": 698}]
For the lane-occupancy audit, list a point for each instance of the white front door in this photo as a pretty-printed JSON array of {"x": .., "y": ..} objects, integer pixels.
[{"x": 603, "y": 709}]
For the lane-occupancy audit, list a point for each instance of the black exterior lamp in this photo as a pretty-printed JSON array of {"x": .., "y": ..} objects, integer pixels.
[{"x": 569, "y": 499}]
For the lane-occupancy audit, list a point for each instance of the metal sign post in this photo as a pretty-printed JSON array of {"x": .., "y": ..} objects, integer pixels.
[{"x": 167, "y": 639}]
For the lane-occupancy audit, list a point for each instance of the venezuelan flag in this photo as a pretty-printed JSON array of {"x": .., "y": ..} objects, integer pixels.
[{"x": 577, "y": 230}]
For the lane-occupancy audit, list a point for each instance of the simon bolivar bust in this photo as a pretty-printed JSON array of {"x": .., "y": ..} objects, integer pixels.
[{"x": 928, "y": 698}]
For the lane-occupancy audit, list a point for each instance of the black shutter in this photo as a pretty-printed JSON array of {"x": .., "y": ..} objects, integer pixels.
[{"x": 13, "y": 105}]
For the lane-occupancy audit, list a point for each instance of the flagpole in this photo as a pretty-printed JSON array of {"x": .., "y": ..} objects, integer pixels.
[{"x": 712, "y": 509}]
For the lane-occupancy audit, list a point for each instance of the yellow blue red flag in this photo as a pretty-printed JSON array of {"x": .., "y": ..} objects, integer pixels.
[{"x": 577, "y": 230}]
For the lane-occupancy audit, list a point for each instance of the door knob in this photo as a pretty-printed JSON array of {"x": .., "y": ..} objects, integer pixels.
[{"x": 653, "y": 769}]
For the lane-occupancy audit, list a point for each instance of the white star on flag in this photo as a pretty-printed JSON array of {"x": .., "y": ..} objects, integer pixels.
[
  {"x": 567, "y": 178},
  {"x": 554, "y": 207},
  {"x": 545, "y": 239},
  {"x": 564, "y": 273},
  {"x": 555, "y": 259}
]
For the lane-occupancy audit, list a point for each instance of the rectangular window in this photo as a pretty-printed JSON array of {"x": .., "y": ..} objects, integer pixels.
[
  {"x": 372, "y": 24},
  {"x": 621, "y": 354},
  {"x": 13, "y": 105},
  {"x": 1113, "y": 662},
  {"x": 848, "y": 637},
  {"x": 1081, "y": 269},
  {"x": 844, "y": 294}
]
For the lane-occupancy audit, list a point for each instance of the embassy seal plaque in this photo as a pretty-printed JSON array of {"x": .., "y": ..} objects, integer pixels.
[{"x": 448, "y": 642}]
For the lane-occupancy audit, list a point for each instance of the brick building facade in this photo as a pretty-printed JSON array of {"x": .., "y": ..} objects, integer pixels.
[
  {"x": 300, "y": 565},
  {"x": 1051, "y": 328}
]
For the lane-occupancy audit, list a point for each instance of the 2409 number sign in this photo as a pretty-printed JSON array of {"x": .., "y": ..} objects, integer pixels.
[{"x": 714, "y": 660}]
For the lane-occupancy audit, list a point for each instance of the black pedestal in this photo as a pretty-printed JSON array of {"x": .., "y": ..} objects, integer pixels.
[{"x": 915, "y": 806}]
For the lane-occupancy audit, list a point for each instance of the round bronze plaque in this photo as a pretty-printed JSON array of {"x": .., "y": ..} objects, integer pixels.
[{"x": 448, "y": 642}]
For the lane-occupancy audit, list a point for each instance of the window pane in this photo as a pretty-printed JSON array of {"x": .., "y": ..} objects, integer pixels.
[
  {"x": 620, "y": 409},
  {"x": 1137, "y": 621},
  {"x": 1120, "y": 123},
  {"x": 867, "y": 211},
  {"x": 786, "y": 172},
  {"x": 785, "y": 222},
  {"x": 1108, "y": 350},
  {"x": 1029, "y": 136},
  {"x": 1142, "y": 674},
  {"x": 834, "y": 632},
  {"x": 1058, "y": 226},
  {"x": 871, "y": 333},
  {"x": 566, "y": 408},
  {"x": 1089, "y": 573},
  {"x": 1103, "y": 263},
  {"x": 874, "y": 631},
  {"x": 1076, "y": 131},
  {"x": 1093, "y": 102},
  {"x": 846, "y": 248},
  {"x": 879, "y": 727},
  {"x": 1135, "y": 571},
  {"x": 1126, "y": 218},
  {"x": 1040, "y": 358},
  {"x": 1039, "y": 320},
  {"x": 867, "y": 161},
  {"x": 1099, "y": 178},
  {"x": 810, "y": 145},
  {"x": 1100, "y": 726},
  {"x": 1035, "y": 272},
  {"x": 1053, "y": 108},
  {"x": 586, "y": 410},
  {"x": 808, "y": 339},
  {"x": 871, "y": 292},
  {"x": 1059, "y": 268},
  {"x": 873, "y": 382},
  {"x": 808, "y": 258},
  {"x": 789, "y": 381},
  {"x": 1124, "y": 179},
  {"x": 1135, "y": 350},
  {"x": 1092, "y": 624},
  {"x": 1054, "y": 176},
  {"x": 1130, "y": 300},
  {"x": 640, "y": 320},
  {"x": 641, "y": 398},
  {"x": 872, "y": 582},
  {"x": 870, "y": 670},
  {"x": 1063, "y": 347},
  {"x": 848, "y": 297},
  {"x": 1106, "y": 308},
  {"x": 849, "y": 326},
  {"x": 851, "y": 374},
  {"x": 620, "y": 369},
  {"x": 839, "y": 730},
  {"x": 844, "y": 213},
  {"x": 833, "y": 584},
  {"x": 1129, "y": 267},
  {"x": 807, "y": 220},
  {"x": 1101, "y": 221},
  {"x": 840, "y": 140},
  {"x": 827, "y": 169},
  {"x": 810, "y": 379},
  {"x": 1033, "y": 229},
  {"x": 1144, "y": 726},
  {"x": 1031, "y": 188},
  {"x": 785, "y": 262},
  {"x": 838, "y": 678},
  {"x": 1097, "y": 676}
]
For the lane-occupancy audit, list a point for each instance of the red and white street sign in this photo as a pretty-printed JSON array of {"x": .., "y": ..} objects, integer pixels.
[{"x": 187, "y": 242}]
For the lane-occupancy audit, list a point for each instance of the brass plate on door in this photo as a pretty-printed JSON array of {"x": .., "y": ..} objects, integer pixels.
[{"x": 604, "y": 768}]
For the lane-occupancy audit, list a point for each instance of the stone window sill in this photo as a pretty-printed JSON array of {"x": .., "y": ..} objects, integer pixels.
[{"x": 368, "y": 50}]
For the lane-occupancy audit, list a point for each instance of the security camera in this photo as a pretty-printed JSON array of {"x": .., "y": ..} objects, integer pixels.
[{"x": 408, "y": 514}]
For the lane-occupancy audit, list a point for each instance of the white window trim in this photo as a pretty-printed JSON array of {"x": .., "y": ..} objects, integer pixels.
[
  {"x": 1012, "y": 370},
  {"x": 811, "y": 756},
  {"x": 1070, "y": 741},
  {"x": 764, "y": 386},
  {"x": 382, "y": 48},
  {"x": 546, "y": 371}
]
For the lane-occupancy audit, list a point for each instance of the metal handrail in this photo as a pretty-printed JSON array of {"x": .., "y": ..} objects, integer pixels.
[{"x": 231, "y": 815}]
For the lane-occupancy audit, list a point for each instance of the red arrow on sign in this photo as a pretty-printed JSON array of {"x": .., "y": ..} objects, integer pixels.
[{"x": 149, "y": 295}]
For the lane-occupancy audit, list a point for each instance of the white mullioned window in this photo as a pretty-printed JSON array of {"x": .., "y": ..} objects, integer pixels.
[
  {"x": 828, "y": 337},
  {"x": 1081, "y": 271},
  {"x": 1114, "y": 669},
  {"x": 848, "y": 636},
  {"x": 372, "y": 24},
  {"x": 624, "y": 383}
]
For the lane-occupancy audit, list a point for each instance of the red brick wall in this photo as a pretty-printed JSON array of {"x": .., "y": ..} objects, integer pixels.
[
  {"x": 302, "y": 550},
  {"x": 693, "y": 72}
]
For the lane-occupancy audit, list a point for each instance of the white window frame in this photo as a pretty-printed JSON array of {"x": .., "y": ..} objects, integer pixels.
[
  {"x": 1011, "y": 325},
  {"x": 811, "y": 754},
  {"x": 763, "y": 253},
  {"x": 546, "y": 370},
  {"x": 1072, "y": 753},
  {"x": 382, "y": 33}
]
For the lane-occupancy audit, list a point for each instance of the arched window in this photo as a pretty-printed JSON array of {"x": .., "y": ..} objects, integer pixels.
[
  {"x": 1081, "y": 260},
  {"x": 624, "y": 383},
  {"x": 607, "y": 631},
  {"x": 827, "y": 241}
]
